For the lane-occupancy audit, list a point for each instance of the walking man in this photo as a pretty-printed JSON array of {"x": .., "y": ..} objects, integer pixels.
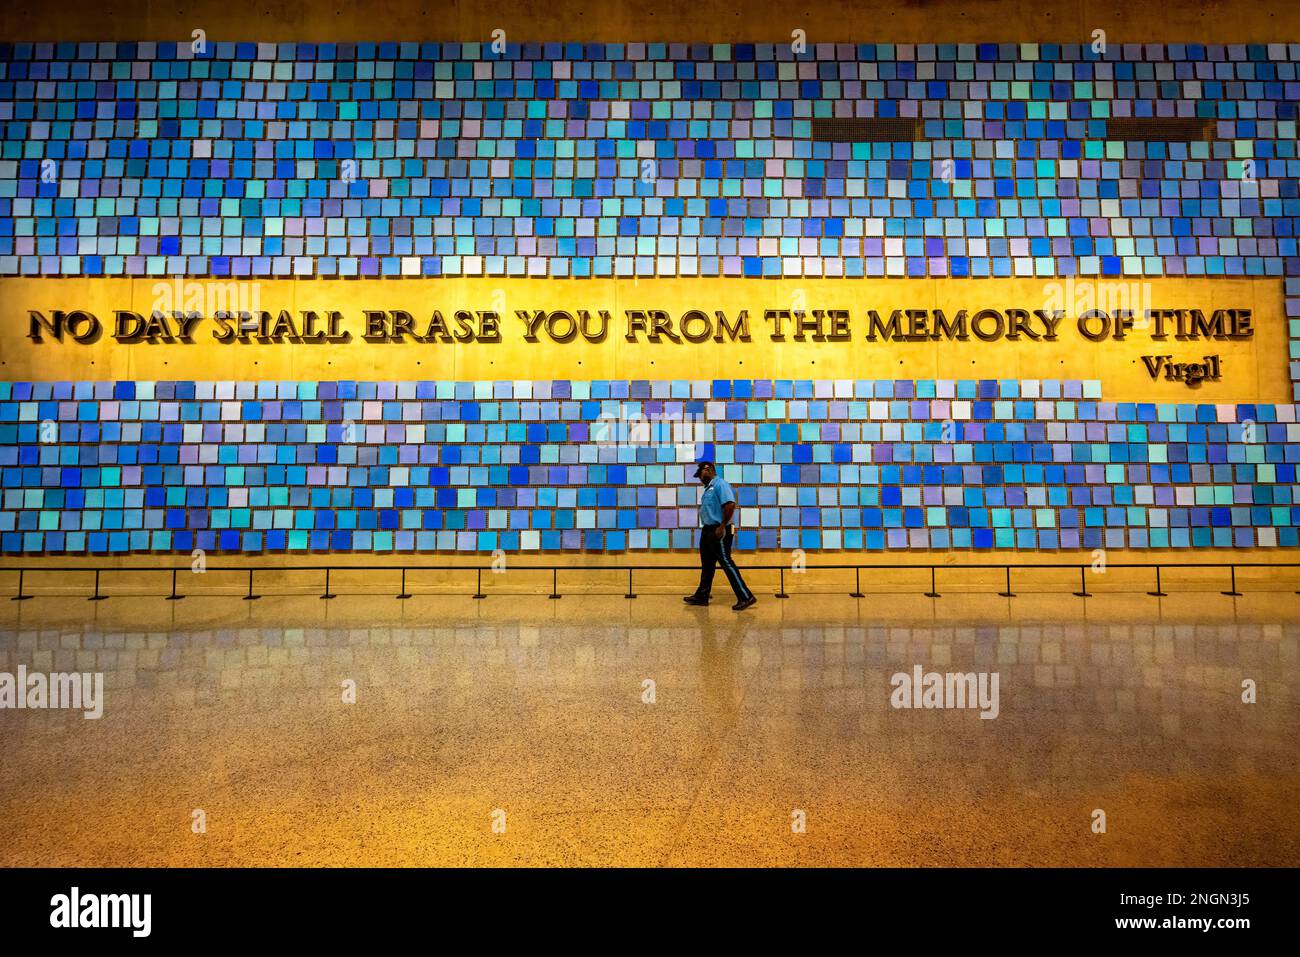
[{"x": 717, "y": 505}]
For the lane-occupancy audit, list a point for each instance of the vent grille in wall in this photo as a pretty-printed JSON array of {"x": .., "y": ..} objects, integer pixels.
[
  {"x": 1156, "y": 128},
  {"x": 873, "y": 130}
]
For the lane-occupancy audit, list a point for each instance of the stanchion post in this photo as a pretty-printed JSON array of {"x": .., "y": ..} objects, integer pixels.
[
  {"x": 403, "y": 594},
  {"x": 21, "y": 596},
  {"x": 173, "y": 596},
  {"x": 1159, "y": 592},
  {"x": 328, "y": 594},
  {"x": 781, "y": 593},
  {"x": 97, "y": 596},
  {"x": 1234, "y": 593},
  {"x": 934, "y": 590},
  {"x": 857, "y": 583},
  {"x": 1008, "y": 593},
  {"x": 555, "y": 582},
  {"x": 1083, "y": 582},
  {"x": 630, "y": 592},
  {"x": 478, "y": 584},
  {"x": 250, "y": 596}
]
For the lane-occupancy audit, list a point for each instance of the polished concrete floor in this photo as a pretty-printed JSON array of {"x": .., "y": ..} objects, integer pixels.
[{"x": 534, "y": 714}]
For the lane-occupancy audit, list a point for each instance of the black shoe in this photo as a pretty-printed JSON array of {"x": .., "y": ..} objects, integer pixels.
[
  {"x": 749, "y": 602},
  {"x": 695, "y": 600}
]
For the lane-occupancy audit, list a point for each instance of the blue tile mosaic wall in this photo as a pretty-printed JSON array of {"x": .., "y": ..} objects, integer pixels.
[
  {"x": 542, "y": 465},
  {"x": 571, "y": 160},
  {"x": 564, "y": 159}
]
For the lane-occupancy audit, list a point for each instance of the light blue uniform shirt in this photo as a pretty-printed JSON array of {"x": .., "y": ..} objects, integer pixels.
[{"x": 716, "y": 494}]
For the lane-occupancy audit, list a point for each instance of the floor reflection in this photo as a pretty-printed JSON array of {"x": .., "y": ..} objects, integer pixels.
[{"x": 749, "y": 718}]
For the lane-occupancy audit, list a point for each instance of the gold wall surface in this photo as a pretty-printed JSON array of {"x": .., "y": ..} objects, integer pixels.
[
  {"x": 699, "y": 21},
  {"x": 1254, "y": 368}
]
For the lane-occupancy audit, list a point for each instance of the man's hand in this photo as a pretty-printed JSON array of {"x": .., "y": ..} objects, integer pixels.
[{"x": 720, "y": 531}]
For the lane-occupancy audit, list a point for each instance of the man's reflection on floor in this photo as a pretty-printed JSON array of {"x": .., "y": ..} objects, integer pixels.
[{"x": 719, "y": 664}]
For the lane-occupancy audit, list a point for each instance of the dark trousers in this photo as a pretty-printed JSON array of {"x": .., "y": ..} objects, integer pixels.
[{"x": 717, "y": 551}]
